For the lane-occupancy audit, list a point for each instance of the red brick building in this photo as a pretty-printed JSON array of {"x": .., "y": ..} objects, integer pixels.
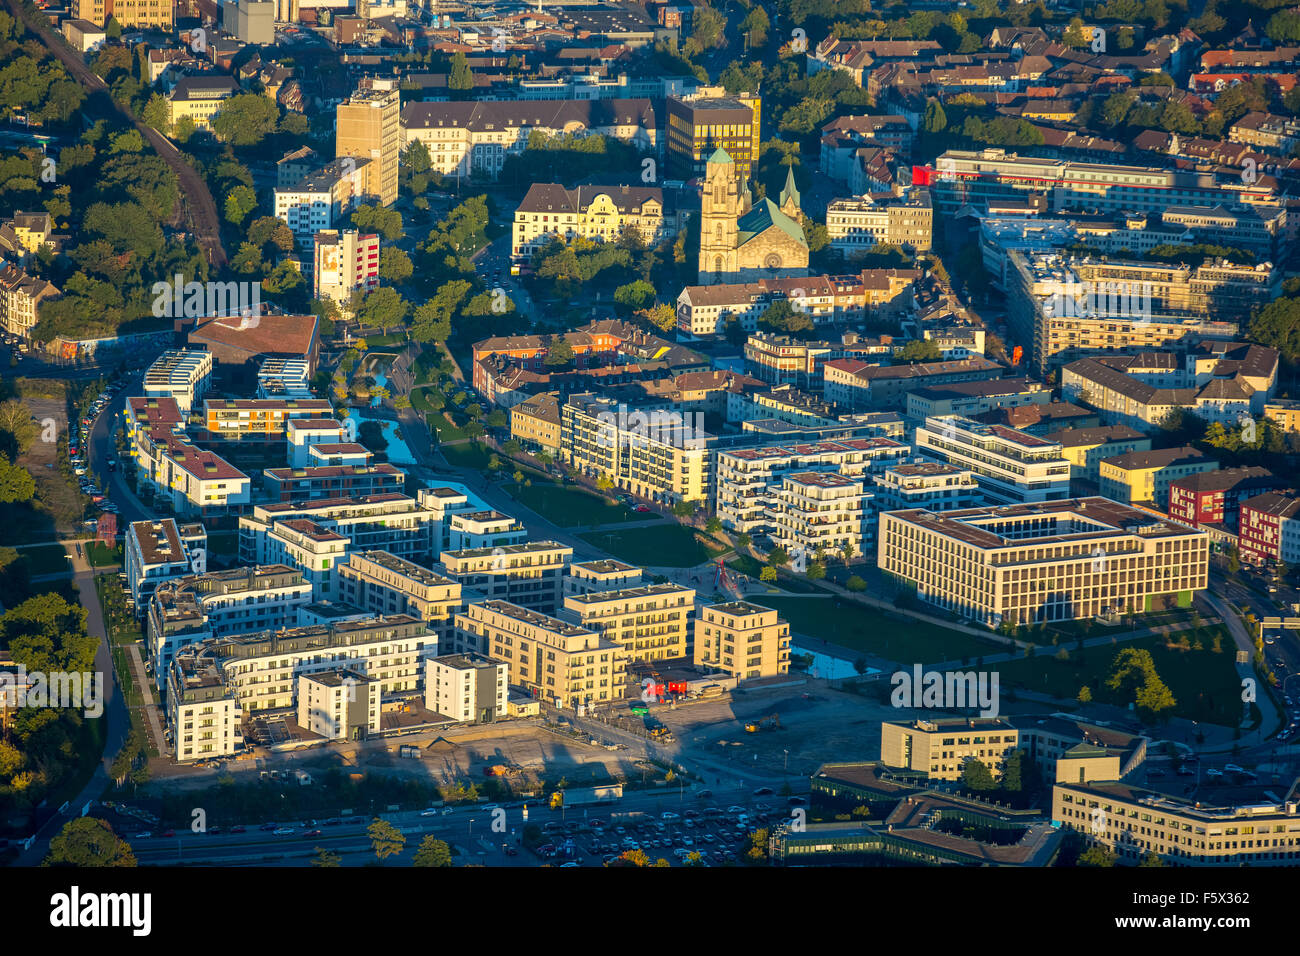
[
  {"x": 1213, "y": 497},
  {"x": 1269, "y": 527}
]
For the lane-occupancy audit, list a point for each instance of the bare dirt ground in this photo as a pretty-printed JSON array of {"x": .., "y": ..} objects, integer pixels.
[
  {"x": 817, "y": 725},
  {"x": 524, "y": 747},
  {"x": 60, "y": 500}
]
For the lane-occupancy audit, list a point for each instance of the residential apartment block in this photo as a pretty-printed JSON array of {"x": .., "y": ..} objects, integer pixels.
[
  {"x": 854, "y": 383},
  {"x": 382, "y": 583},
  {"x": 651, "y": 622},
  {"x": 21, "y": 296},
  {"x": 745, "y": 640},
  {"x": 469, "y": 688},
  {"x": 344, "y": 262},
  {"x": 1145, "y": 476},
  {"x": 940, "y": 748},
  {"x": 859, "y": 223},
  {"x": 182, "y": 374},
  {"x": 600, "y": 213},
  {"x": 530, "y": 575},
  {"x": 1011, "y": 466},
  {"x": 555, "y": 660},
  {"x": 1268, "y": 529}
]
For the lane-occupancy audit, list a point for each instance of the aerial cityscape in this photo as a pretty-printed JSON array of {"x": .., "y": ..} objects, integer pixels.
[{"x": 610, "y": 434}]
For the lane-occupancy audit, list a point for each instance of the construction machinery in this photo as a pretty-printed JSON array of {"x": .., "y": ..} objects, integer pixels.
[{"x": 770, "y": 722}]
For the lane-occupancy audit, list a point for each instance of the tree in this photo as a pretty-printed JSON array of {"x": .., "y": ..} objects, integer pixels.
[
  {"x": 384, "y": 307},
  {"x": 432, "y": 852},
  {"x": 768, "y": 574},
  {"x": 385, "y": 839},
  {"x": 245, "y": 119},
  {"x": 1277, "y": 326},
  {"x": 395, "y": 265},
  {"x": 713, "y": 525},
  {"x": 16, "y": 484},
  {"x": 976, "y": 775},
  {"x": 461, "y": 77},
  {"x": 240, "y": 201},
  {"x": 855, "y": 583},
  {"x": 560, "y": 353},
  {"x": 816, "y": 570},
  {"x": 1085, "y": 694},
  {"x": 1096, "y": 855},
  {"x": 634, "y": 295},
  {"x": 936, "y": 120},
  {"x": 89, "y": 841},
  {"x": 778, "y": 557},
  {"x": 19, "y": 426},
  {"x": 326, "y": 858},
  {"x": 919, "y": 350},
  {"x": 1075, "y": 36},
  {"x": 1151, "y": 859},
  {"x": 755, "y": 27},
  {"x": 744, "y": 539}
]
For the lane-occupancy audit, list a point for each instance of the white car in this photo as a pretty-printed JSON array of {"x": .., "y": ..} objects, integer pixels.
[
  {"x": 431, "y": 812},
  {"x": 1211, "y": 772},
  {"x": 1233, "y": 768},
  {"x": 669, "y": 815}
]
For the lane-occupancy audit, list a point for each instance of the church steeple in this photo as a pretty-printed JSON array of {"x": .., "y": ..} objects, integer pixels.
[{"x": 790, "y": 197}]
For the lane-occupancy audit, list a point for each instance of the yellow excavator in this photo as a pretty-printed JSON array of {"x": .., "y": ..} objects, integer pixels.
[{"x": 770, "y": 722}]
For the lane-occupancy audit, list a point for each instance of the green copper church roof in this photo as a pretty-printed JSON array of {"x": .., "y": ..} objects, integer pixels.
[
  {"x": 764, "y": 216},
  {"x": 720, "y": 155}
]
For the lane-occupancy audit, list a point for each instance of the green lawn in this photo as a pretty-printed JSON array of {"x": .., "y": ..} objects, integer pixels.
[
  {"x": 467, "y": 455},
  {"x": 99, "y": 554},
  {"x": 568, "y": 507},
  {"x": 446, "y": 431},
  {"x": 663, "y": 545},
  {"x": 876, "y": 632},
  {"x": 1204, "y": 683}
]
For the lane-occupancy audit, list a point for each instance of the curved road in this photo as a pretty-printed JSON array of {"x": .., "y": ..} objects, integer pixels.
[{"x": 200, "y": 209}]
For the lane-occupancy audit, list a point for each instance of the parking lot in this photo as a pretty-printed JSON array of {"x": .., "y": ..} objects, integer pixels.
[{"x": 719, "y": 834}]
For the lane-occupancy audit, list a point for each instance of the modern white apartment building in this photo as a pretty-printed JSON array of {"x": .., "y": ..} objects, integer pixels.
[
  {"x": 530, "y": 575},
  {"x": 1011, "y": 466},
  {"x": 158, "y": 551},
  {"x": 822, "y": 513},
  {"x": 314, "y": 550},
  {"x": 196, "y": 482},
  {"x": 320, "y": 200},
  {"x": 484, "y": 529},
  {"x": 382, "y": 583},
  {"x": 385, "y": 522},
  {"x": 469, "y": 688},
  {"x": 932, "y": 485},
  {"x": 747, "y": 478},
  {"x": 1048, "y": 561},
  {"x": 345, "y": 261},
  {"x": 203, "y": 715},
  {"x": 555, "y": 660},
  {"x": 339, "y": 704},
  {"x": 262, "y": 670},
  {"x": 284, "y": 378},
  {"x": 303, "y": 434},
  {"x": 650, "y": 622},
  {"x": 859, "y": 223},
  {"x": 221, "y": 603},
  {"x": 182, "y": 374}
]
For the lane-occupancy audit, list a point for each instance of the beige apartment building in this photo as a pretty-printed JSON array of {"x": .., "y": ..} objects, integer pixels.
[
  {"x": 202, "y": 712},
  {"x": 658, "y": 455},
  {"x": 529, "y": 574},
  {"x": 650, "y": 622},
  {"x": 382, "y": 583},
  {"x": 743, "y": 639},
  {"x": 941, "y": 748},
  {"x": 130, "y": 14},
  {"x": 368, "y": 125},
  {"x": 198, "y": 99},
  {"x": 536, "y": 421},
  {"x": 21, "y": 296},
  {"x": 555, "y": 660},
  {"x": 816, "y": 512},
  {"x": 1254, "y": 829},
  {"x": 1047, "y": 561}
]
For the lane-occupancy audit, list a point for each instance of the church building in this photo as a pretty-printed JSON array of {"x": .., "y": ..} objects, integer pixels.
[{"x": 741, "y": 240}]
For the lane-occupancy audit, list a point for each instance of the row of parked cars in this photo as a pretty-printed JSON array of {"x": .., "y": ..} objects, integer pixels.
[{"x": 78, "y": 453}]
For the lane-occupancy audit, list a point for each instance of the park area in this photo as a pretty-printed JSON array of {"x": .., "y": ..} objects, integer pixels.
[
  {"x": 568, "y": 507},
  {"x": 666, "y": 545},
  {"x": 877, "y": 632},
  {"x": 1199, "y": 672}
]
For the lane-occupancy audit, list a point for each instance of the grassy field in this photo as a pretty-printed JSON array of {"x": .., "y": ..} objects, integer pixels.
[
  {"x": 467, "y": 455},
  {"x": 665, "y": 545},
  {"x": 876, "y": 632},
  {"x": 1204, "y": 683},
  {"x": 568, "y": 507}
]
